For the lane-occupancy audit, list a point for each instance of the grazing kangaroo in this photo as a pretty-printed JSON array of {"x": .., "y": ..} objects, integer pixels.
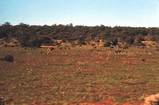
[{"x": 118, "y": 50}]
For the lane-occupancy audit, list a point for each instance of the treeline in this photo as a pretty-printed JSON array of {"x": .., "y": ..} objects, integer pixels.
[{"x": 32, "y": 35}]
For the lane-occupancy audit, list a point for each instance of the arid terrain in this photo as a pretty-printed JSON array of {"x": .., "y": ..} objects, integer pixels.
[{"x": 80, "y": 75}]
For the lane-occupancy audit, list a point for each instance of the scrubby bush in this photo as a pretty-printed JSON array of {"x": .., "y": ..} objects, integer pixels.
[{"x": 9, "y": 58}]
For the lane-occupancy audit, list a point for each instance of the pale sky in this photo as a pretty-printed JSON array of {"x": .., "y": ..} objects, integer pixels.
[{"x": 133, "y": 13}]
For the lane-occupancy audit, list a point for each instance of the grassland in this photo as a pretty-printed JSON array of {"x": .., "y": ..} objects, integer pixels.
[{"x": 79, "y": 75}]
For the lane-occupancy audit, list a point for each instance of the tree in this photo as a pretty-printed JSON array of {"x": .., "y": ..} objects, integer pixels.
[
  {"x": 5, "y": 30},
  {"x": 35, "y": 43}
]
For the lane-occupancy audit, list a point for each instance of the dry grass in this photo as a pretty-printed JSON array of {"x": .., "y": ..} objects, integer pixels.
[{"x": 79, "y": 75}]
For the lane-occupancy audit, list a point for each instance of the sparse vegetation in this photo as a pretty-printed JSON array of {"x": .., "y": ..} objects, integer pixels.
[
  {"x": 78, "y": 75},
  {"x": 87, "y": 65}
]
